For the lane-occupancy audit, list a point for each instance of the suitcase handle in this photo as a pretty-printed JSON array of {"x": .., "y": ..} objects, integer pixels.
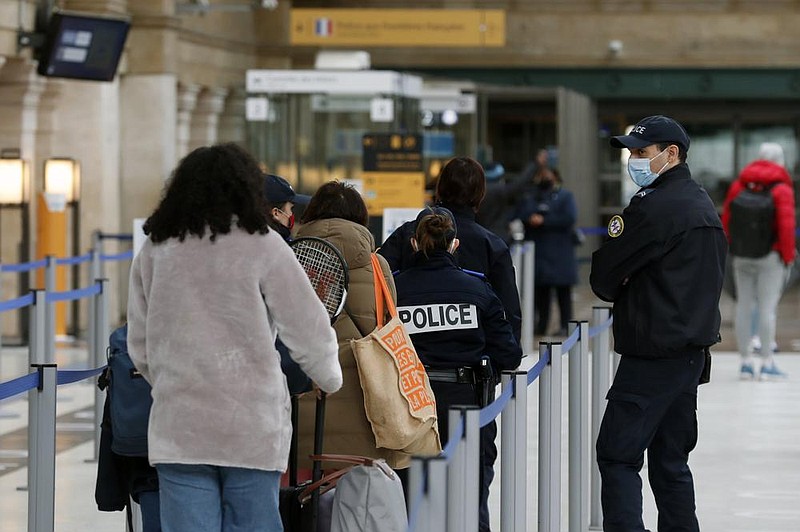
[
  {"x": 326, "y": 483},
  {"x": 357, "y": 460}
]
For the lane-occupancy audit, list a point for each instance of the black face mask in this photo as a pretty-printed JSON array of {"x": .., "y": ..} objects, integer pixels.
[{"x": 545, "y": 184}]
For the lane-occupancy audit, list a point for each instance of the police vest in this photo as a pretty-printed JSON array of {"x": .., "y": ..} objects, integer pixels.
[{"x": 438, "y": 317}]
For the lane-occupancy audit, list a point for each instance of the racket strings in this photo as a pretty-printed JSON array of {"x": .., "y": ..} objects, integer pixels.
[{"x": 325, "y": 272}]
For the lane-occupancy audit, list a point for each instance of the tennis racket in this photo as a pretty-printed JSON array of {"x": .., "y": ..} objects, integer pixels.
[{"x": 326, "y": 269}]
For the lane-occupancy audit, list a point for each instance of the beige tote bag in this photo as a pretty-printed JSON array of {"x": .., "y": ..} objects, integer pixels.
[{"x": 398, "y": 398}]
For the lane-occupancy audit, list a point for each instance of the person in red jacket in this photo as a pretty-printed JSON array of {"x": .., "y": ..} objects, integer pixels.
[{"x": 760, "y": 280}]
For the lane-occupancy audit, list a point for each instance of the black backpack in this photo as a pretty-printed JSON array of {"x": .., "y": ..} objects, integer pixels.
[
  {"x": 129, "y": 399},
  {"x": 752, "y": 221}
]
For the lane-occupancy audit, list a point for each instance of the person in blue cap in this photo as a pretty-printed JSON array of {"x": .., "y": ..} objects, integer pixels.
[
  {"x": 662, "y": 267},
  {"x": 281, "y": 199}
]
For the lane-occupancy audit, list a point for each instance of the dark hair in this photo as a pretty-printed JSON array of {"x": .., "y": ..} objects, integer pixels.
[
  {"x": 336, "y": 200},
  {"x": 681, "y": 150},
  {"x": 434, "y": 232},
  {"x": 461, "y": 183},
  {"x": 210, "y": 187}
]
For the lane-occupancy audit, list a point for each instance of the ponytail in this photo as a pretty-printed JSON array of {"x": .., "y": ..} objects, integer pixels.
[{"x": 435, "y": 232}]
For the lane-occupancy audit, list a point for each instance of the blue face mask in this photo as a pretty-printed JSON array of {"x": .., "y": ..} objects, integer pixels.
[{"x": 640, "y": 172}]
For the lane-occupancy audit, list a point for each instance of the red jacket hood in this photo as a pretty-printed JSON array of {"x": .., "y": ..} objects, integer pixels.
[{"x": 765, "y": 173}]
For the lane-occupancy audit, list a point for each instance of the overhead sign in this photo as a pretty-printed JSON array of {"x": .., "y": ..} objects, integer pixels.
[
  {"x": 393, "y": 176},
  {"x": 392, "y": 152},
  {"x": 369, "y": 82},
  {"x": 398, "y": 27}
]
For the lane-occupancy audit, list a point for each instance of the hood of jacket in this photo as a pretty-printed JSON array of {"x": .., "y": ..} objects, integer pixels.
[
  {"x": 354, "y": 241},
  {"x": 765, "y": 173}
]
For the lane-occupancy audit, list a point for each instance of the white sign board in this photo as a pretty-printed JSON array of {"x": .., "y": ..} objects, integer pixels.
[
  {"x": 257, "y": 109},
  {"x": 394, "y": 218},
  {"x": 381, "y": 110},
  {"x": 332, "y": 82}
]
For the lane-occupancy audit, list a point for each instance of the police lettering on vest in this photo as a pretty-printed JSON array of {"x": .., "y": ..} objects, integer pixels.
[{"x": 441, "y": 317}]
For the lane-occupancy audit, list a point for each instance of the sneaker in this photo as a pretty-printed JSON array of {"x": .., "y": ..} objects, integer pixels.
[
  {"x": 746, "y": 372},
  {"x": 772, "y": 373},
  {"x": 755, "y": 345}
]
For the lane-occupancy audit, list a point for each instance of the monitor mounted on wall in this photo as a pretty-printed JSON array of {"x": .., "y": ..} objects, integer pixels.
[{"x": 82, "y": 46}]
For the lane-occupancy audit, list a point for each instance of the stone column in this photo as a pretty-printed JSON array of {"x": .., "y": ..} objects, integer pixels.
[
  {"x": 187, "y": 101},
  {"x": 203, "y": 128},
  {"x": 232, "y": 123}
]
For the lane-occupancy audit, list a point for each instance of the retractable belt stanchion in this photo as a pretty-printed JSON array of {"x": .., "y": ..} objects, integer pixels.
[
  {"x": 579, "y": 440},
  {"x": 456, "y": 483},
  {"x": 42, "y": 451},
  {"x": 50, "y": 319},
  {"x": 514, "y": 454},
  {"x": 437, "y": 493},
  {"x": 100, "y": 343},
  {"x": 528, "y": 266},
  {"x": 550, "y": 441},
  {"x": 472, "y": 479},
  {"x": 37, "y": 318},
  {"x": 419, "y": 508},
  {"x": 601, "y": 381}
]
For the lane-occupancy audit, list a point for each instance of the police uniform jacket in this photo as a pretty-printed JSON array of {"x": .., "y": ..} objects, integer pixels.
[
  {"x": 454, "y": 318},
  {"x": 663, "y": 269},
  {"x": 480, "y": 250}
]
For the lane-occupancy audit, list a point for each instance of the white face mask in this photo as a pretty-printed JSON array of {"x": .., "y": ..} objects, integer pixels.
[{"x": 640, "y": 172}]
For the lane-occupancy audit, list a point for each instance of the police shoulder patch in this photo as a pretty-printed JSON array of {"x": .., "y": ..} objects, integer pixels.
[{"x": 615, "y": 226}]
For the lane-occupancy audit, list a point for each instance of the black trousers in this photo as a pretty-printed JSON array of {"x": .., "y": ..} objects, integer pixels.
[
  {"x": 652, "y": 406},
  {"x": 450, "y": 394},
  {"x": 542, "y": 302}
]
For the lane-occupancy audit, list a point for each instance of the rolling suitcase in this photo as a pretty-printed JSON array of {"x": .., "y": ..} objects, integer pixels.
[{"x": 306, "y": 506}]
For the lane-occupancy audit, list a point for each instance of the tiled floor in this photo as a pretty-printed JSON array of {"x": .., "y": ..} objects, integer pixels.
[{"x": 745, "y": 464}]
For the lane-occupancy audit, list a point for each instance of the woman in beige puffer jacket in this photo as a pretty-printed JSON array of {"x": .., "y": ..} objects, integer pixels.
[{"x": 337, "y": 213}]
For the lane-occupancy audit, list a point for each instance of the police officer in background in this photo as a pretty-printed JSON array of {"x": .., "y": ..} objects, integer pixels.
[
  {"x": 461, "y": 188},
  {"x": 455, "y": 320},
  {"x": 663, "y": 268}
]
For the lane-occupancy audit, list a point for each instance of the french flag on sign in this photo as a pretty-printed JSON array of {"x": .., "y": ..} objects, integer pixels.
[{"x": 323, "y": 27}]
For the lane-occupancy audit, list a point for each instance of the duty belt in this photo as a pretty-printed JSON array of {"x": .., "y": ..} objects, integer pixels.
[{"x": 458, "y": 375}]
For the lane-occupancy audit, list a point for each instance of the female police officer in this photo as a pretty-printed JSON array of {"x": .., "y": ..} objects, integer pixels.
[{"x": 455, "y": 320}]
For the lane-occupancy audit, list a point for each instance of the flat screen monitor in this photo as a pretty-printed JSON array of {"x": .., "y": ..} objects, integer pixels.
[{"x": 79, "y": 46}]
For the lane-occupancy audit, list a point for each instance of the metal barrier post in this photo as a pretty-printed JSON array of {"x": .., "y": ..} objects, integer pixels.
[
  {"x": 550, "y": 441},
  {"x": 601, "y": 381},
  {"x": 472, "y": 479},
  {"x": 579, "y": 467},
  {"x": 527, "y": 297},
  {"x": 417, "y": 481},
  {"x": 96, "y": 269},
  {"x": 514, "y": 454},
  {"x": 516, "y": 260},
  {"x": 437, "y": 493},
  {"x": 456, "y": 482},
  {"x": 90, "y": 310},
  {"x": 50, "y": 328},
  {"x": 100, "y": 343},
  {"x": 42, "y": 451},
  {"x": 37, "y": 319}
]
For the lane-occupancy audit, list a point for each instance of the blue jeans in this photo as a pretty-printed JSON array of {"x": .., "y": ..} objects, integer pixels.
[{"x": 212, "y": 498}]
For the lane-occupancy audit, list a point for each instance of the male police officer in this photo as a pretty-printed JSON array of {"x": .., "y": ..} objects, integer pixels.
[{"x": 662, "y": 267}]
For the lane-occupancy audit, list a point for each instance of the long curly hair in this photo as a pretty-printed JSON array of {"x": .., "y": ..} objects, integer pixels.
[{"x": 211, "y": 188}]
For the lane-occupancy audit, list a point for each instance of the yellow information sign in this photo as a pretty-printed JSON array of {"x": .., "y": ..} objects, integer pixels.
[
  {"x": 398, "y": 27},
  {"x": 383, "y": 190}
]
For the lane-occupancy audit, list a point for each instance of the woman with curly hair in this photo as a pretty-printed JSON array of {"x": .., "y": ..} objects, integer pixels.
[{"x": 208, "y": 294}]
